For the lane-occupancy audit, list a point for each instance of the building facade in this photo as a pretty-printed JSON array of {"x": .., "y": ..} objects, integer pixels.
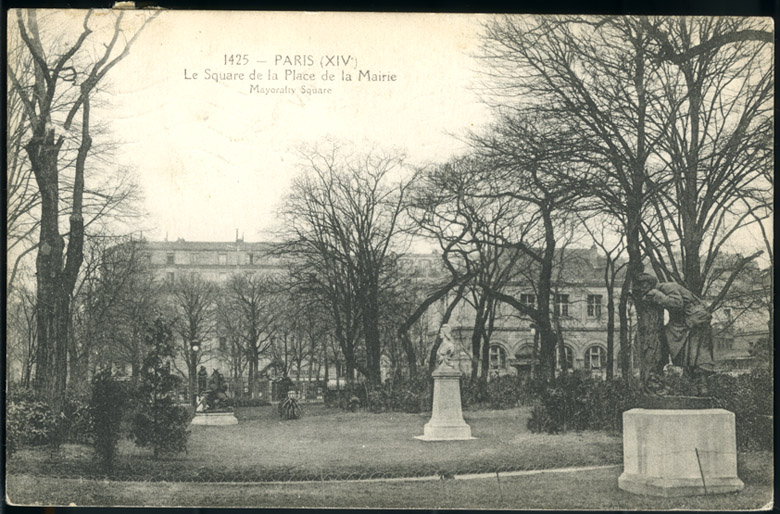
[{"x": 579, "y": 306}]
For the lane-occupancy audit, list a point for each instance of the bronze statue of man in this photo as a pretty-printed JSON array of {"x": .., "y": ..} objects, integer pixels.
[{"x": 688, "y": 333}]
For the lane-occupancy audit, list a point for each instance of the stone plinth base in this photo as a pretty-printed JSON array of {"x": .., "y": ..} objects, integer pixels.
[
  {"x": 446, "y": 422},
  {"x": 214, "y": 418},
  {"x": 681, "y": 452}
]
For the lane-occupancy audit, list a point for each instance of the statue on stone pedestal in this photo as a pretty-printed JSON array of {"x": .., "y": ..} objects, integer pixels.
[
  {"x": 447, "y": 348},
  {"x": 216, "y": 393},
  {"x": 684, "y": 344}
]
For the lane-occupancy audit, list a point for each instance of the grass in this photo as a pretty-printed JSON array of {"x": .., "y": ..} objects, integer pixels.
[
  {"x": 576, "y": 490},
  {"x": 329, "y": 443}
]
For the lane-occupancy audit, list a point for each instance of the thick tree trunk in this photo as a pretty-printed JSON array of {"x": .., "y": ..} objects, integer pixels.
[
  {"x": 610, "y": 283},
  {"x": 53, "y": 299},
  {"x": 561, "y": 346},
  {"x": 626, "y": 351},
  {"x": 476, "y": 339},
  {"x": 192, "y": 371}
]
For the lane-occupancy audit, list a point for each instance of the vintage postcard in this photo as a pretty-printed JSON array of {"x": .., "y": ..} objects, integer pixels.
[{"x": 363, "y": 260}]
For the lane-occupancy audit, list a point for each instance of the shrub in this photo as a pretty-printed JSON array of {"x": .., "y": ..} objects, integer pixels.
[
  {"x": 30, "y": 421},
  {"x": 106, "y": 407},
  {"x": 344, "y": 398},
  {"x": 577, "y": 402},
  {"x": 473, "y": 393},
  {"x": 401, "y": 395},
  {"x": 158, "y": 422},
  {"x": 564, "y": 402},
  {"x": 749, "y": 397},
  {"x": 76, "y": 418}
]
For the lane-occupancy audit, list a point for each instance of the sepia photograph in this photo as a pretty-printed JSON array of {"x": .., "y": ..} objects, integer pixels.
[{"x": 389, "y": 260}]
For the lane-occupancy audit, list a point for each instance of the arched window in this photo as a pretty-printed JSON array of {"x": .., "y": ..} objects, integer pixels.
[
  {"x": 595, "y": 358},
  {"x": 497, "y": 358},
  {"x": 569, "y": 358}
]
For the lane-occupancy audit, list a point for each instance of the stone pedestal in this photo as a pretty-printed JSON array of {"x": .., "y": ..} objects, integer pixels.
[
  {"x": 446, "y": 422},
  {"x": 214, "y": 418},
  {"x": 680, "y": 452}
]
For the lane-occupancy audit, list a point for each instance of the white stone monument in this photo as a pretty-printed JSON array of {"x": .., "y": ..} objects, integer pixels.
[
  {"x": 679, "y": 452},
  {"x": 446, "y": 422},
  {"x": 214, "y": 418}
]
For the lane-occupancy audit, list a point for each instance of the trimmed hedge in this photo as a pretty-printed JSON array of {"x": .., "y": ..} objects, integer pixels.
[
  {"x": 402, "y": 395},
  {"x": 577, "y": 402}
]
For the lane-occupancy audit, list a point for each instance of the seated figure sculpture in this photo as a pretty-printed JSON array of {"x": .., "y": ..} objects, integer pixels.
[
  {"x": 216, "y": 394},
  {"x": 447, "y": 348}
]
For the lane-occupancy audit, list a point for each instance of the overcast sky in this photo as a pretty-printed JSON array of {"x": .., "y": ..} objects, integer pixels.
[{"x": 213, "y": 157}]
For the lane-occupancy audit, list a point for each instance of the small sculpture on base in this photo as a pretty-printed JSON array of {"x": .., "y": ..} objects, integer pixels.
[
  {"x": 212, "y": 408},
  {"x": 446, "y": 422}
]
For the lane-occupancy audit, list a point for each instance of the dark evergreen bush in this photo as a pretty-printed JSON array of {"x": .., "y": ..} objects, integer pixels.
[
  {"x": 158, "y": 422},
  {"x": 577, "y": 402},
  {"x": 749, "y": 396},
  {"x": 106, "y": 407},
  {"x": 402, "y": 395},
  {"x": 473, "y": 393}
]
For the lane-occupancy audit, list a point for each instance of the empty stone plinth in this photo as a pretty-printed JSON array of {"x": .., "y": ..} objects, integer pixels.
[
  {"x": 214, "y": 418},
  {"x": 446, "y": 422},
  {"x": 681, "y": 452}
]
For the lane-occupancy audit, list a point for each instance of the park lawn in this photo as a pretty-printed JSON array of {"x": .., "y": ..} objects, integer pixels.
[
  {"x": 593, "y": 489},
  {"x": 329, "y": 443}
]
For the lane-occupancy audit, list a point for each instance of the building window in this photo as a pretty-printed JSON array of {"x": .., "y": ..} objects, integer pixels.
[
  {"x": 251, "y": 258},
  {"x": 727, "y": 314},
  {"x": 594, "y": 305},
  {"x": 341, "y": 369},
  {"x": 223, "y": 259},
  {"x": 561, "y": 306},
  {"x": 194, "y": 258},
  {"x": 169, "y": 277},
  {"x": 595, "y": 358},
  {"x": 529, "y": 300},
  {"x": 569, "y": 358},
  {"x": 497, "y": 358},
  {"x": 170, "y": 258}
]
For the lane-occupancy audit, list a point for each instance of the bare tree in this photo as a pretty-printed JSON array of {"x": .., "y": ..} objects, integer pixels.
[
  {"x": 231, "y": 346},
  {"x": 193, "y": 301},
  {"x": 21, "y": 334},
  {"x": 716, "y": 149},
  {"x": 252, "y": 297},
  {"x": 343, "y": 222},
  {"x": 448, "y": 208},
  {"x": 112, "y": 265},
  {"x": 61, "y": 77},
  {"x": 529, "y": 158},
  {"x": 631, "y": 91},
  {"x": 601, "y": 233}
]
